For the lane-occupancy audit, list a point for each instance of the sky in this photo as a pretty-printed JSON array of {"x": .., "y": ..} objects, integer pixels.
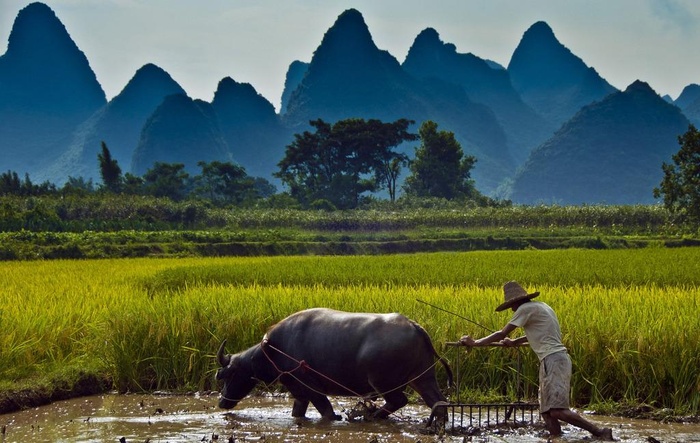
[{"x": 254, "y": 41}]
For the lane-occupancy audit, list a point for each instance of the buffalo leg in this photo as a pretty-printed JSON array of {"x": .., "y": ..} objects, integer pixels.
[
  {"x": 320, "y": 402},
  {"x": 324, "y": 407},
  {"x": 428, "y": 391},
  {"x": 393, "y": 401},
  {"x": 299, "y": 408},
  {"x": 433, "y": 398}
]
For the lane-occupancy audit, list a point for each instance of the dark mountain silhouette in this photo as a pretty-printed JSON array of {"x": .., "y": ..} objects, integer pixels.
[
  {"x": 689, "y": 102},
  {"x": 54, "y": 113},
  {"x": 610, "y": 152},
  {"x": 690, "y": 94},
  {"x": 692, "y": 111},
  {"x": 551, "y": 79},
  {"x": 349, "y": 77},
  {"x": 251, "y": 128},
  {"x": 118, "y": 124},
  {"x": 181, "y": 130},
  {"x": 295, "y": 74},
  {"x": 485, "y": 83},
  {"x": 46, "y": 89}
]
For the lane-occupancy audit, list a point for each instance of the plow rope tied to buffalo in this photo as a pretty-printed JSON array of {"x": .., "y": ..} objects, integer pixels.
[
  {"x": 361, "y": 354},
  {"x": 319, "y": 352},
  {"x": 302, "y": 364}
]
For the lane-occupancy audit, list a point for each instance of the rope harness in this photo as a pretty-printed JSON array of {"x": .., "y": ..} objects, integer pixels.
[{"x": 304, "y": 366}]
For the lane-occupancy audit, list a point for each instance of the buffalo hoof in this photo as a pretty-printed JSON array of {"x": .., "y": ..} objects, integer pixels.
[{"x": 438, "y": 413}]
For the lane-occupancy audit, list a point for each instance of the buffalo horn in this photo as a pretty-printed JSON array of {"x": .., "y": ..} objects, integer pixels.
[{"x": 223, "y": 359}]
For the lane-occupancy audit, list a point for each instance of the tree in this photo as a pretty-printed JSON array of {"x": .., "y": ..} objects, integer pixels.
[
  {"x": 339, "y": 162},
  {"x": 110, "y": 171},
  {"x": 133, "y": 184},
  {"x": 228, "y": 183},
  {"x": 440, "y": 168},
  {"x": 166, "y": 180},
  {"x": 680, "y": 185},
  {"x": 77, "y": 186},
  {"x": 10, "y": 184}
]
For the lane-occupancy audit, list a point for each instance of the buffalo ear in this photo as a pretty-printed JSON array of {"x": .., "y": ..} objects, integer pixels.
[{"x": 223, "y": 359}]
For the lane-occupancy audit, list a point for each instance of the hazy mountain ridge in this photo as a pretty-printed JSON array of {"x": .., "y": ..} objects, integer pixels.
[
  {"x": 47, "y": 88},
  {"x": 349, "y": 77},
  {"x": 499, "y": 115},
  {"x": 430, "y": 58},
  {"x": 118, "y": 124},
  {"x": 253, "y": 131},
  {"x": 610, "y": 152},
  {"x": 551, "y": 79},
  {"x": 181, "y": 130}
]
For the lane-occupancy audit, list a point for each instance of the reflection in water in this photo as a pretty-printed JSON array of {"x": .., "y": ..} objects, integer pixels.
[{"x": 165, "y": 418}]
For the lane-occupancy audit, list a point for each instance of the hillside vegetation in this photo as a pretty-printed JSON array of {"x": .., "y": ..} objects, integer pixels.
[{"x": 136, "y": 226}]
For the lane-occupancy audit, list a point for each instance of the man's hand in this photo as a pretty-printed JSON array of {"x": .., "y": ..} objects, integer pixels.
[
  {"x": 508, "y": 342},
  {"x": 467, "y": 340}
]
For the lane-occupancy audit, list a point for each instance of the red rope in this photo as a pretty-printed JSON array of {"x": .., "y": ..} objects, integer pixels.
[{"x": 302, "y": 364}]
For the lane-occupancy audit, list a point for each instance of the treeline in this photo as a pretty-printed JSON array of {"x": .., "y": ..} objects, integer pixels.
[
  {"x": 344, "y": 165},
  {"x": 219, "y": 183}
]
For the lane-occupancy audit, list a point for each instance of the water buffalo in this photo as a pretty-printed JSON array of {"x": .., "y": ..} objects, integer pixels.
[{"x": 320, "y": 352}]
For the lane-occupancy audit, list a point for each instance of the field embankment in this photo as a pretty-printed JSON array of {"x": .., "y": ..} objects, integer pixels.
[
  {"x": 133, "y": 226},
  {"x": 629, "y": 317}
]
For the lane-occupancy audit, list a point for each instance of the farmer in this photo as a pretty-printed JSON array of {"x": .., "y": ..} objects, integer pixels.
[{"x": 543, "y": 335}]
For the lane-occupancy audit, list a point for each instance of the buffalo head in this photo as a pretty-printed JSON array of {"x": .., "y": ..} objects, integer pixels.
[{"x": 237, "y": 374}]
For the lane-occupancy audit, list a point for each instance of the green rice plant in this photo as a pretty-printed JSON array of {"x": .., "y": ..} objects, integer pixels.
[{"x": 629, "y": 317}]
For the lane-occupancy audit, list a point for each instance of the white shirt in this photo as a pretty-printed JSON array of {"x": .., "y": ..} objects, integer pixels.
[{"x": 541, "y": 328}]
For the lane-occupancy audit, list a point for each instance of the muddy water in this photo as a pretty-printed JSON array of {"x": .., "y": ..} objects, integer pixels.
[{"x": 160, "y": 418}]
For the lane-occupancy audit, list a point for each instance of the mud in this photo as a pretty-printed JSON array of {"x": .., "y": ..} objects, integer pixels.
[{"x": 167, "y": 418}]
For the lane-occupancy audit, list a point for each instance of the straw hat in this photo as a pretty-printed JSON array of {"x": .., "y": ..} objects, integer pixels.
[{"x": 514, "y": 293}]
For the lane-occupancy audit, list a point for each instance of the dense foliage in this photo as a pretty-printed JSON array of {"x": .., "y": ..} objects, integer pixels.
[
  {"x": 440, "y": 168},
  {"x": 341, "y": 161},
  {"x": 100, "y": 226},
  {"x": 680, "y": 186}
]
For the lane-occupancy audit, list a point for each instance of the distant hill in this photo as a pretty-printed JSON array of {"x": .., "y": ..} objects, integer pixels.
[
  {"x": 547, "y": 128},
  {"x": 252, "y": 130},
  {"x": 349, "y": 77},
  {"x": 692, "y": 111},
  {"x": 295, "y": 74},
  {"x": 485, "y": 83},
  {"x": 118, "y": 124},
  {"x": 610, "y": 152},
  {"x": 690, "y": 94},
  {"x": 46, "y": 89},
  {"x": 689, "y": 102},
  {"x": 551, "y": 79},
  {"x": 181, "y": 130}
]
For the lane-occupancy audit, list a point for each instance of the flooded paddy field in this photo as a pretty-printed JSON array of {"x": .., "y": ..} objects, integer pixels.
[{"x": 178, "y": 418}]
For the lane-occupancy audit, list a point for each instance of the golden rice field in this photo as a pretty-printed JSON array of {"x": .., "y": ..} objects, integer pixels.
[{"x": 630, "y": 318}]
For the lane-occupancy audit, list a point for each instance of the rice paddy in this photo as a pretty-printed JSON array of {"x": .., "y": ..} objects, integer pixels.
[{"x": 629, "y": 317}]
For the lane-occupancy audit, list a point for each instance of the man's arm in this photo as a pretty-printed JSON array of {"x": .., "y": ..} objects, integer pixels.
[{"x": 495, "y": 337}]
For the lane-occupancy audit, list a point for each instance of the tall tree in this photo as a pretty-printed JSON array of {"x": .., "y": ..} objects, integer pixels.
[
  {"x": 110, "y": 171},
  {"x": 228, "y": 183},
  {"x": 166, "y": 180},
  {"x": 339, "y": 162},
  {"x": 440, "y": 168},
  {"x": 680, "y": 186}
]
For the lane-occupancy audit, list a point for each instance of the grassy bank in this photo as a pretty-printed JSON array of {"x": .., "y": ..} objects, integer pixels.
[
  {"x": 629, "y": 316},
  {"x": 119, "y": 227}
]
